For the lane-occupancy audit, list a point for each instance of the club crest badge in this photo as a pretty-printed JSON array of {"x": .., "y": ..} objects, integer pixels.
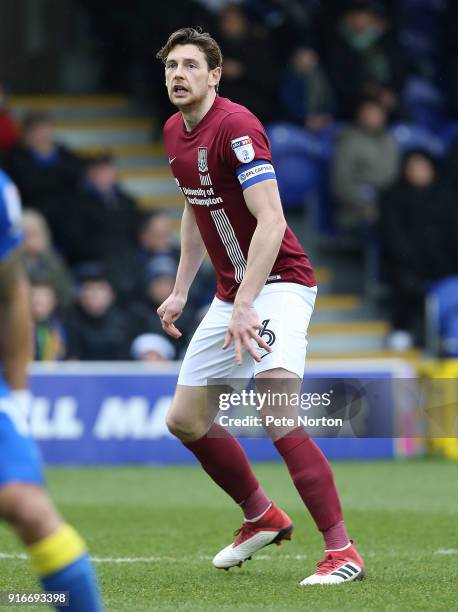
[
  {"x": 202, "y": 159},
  {"x": 243, "y": 149}
]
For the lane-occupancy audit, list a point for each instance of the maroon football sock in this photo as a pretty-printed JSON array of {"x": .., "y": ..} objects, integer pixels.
[
  {"x": 312, "y": 477},
  {"x": 225, "y": 461},
  {"x": 255, "y": 505},
  {"x": 336, "y": 537}
]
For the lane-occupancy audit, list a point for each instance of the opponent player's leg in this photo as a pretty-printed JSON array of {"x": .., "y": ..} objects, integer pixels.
[
  {"x": 286, "y": 315},
  {"x": 58, "y": 554}
]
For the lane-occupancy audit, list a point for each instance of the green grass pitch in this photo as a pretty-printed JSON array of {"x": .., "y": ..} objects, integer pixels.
[{"x": 153, "y": 532}]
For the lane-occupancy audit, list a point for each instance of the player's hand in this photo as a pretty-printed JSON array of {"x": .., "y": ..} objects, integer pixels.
[
  {"x": 169, "y": 311},
  {"x": 243, "y": 329}
]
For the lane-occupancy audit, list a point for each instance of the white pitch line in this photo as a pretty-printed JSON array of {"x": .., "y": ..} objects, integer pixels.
[
  {"x": 156, "y": 558},
  {"x": 153, "y": 559},
  {"x": 446, "y": 551},
  {"x": 160, "y": 558},
  {"x": 21, "y": 556}
]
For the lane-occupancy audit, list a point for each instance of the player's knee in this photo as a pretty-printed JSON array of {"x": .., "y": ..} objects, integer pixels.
[
  {"x": 178, "y": 426},
  {"x": 28, "y": 509},
  {"x": 184, "y": 428}
]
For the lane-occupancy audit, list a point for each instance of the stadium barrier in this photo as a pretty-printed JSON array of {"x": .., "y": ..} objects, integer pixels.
[
  {"x": 441, "y": 407},
  {"x": 108, "y": 413}
]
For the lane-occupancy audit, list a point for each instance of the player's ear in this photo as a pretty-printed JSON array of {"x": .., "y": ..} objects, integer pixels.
[{"x": 214, "y": 76}]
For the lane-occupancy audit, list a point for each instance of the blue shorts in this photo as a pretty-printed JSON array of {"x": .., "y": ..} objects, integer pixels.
[{"x": 20, "y": 459}]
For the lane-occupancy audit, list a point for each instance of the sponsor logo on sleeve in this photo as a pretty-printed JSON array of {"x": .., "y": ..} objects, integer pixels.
[
  {"x": 251, "y": 173},
  {"x": 243, "y": 149}
]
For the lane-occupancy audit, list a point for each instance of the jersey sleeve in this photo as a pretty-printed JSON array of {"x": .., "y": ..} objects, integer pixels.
[
  {"x": 10, "y": 219},
  {"x": 246, "y": 149}
]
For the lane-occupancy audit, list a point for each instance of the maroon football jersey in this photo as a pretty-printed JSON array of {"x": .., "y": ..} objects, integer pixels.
[{"x": 225, "y": 153}]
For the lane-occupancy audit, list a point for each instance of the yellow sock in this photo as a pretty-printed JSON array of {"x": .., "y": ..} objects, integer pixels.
[{"x": 56, "y": 551}]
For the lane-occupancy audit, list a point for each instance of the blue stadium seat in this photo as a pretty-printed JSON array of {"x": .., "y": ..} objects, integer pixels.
[
  {"x": 322, "y": 214},
  {"x": 302, "y": 160},
  {"x": 442, "y": 317},
  {"x": 411, "y": 136},
  {"x": 288, "y": 139},
  {"x": 298, "y": 177},
  {"x": 327, "y": 137},
  {"x": 425, "y": 102},
  {"x": 296, "y": 154},
  {"x": 449, "y": 134}
]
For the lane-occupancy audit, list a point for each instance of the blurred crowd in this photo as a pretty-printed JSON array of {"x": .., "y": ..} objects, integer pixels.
[
  {"x": 366, "y": 91},
  {"x": 98, "y": 266},
  {"x": 308, "y": 61},
  {"x": 346, "y": 73}
]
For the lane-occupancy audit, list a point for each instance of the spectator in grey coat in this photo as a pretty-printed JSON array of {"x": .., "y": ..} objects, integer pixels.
[{"x": 366, "y": 160}]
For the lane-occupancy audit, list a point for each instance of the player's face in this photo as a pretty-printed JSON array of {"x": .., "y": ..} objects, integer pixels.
[{"x": 187, "y": 77}]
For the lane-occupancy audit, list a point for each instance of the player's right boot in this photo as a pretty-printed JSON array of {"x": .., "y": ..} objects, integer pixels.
[
  {"x": 273, "y": 527},
  {"x": 337, "y": 567}
]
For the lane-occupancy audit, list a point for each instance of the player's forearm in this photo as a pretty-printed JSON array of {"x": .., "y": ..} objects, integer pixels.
[
  {"x": 192, "y": 253},
  {"x": 262, "y": 254},
  {"x": 16, "y": 343},
  {"x": 190, "y": 262}
]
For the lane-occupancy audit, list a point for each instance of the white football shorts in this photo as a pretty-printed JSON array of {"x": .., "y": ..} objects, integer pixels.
[{"x": 284, "y": 310}]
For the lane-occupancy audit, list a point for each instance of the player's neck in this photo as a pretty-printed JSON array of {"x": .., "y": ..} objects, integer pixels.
[{"x": 192, "y": 116}]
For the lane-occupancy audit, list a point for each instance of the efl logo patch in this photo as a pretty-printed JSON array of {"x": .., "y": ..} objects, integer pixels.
[
  {"x": 243, "y": 149},
  {"x": 255, "y": 172},
  {"x": 202, "y": 159}
]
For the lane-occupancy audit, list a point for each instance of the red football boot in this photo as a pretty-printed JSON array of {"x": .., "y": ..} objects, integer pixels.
[{"x": 273, "y": 527}]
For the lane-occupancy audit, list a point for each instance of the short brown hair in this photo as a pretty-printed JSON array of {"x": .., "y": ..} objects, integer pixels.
[{"x": 193, "y": 36}]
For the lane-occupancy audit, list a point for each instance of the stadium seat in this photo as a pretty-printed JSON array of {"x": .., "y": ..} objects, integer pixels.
[
  {"x": 425, "y": 102},
  {"x": 296, "y": 154},
  {"x": 289, "y": 139},
  {"x": 412, "y": 136},
  {"x": 442, "y": 317},
  {"x": 302, "y": 160},
  {"x": 449, "y": 134},
  {"x": 298, "y": 177}
]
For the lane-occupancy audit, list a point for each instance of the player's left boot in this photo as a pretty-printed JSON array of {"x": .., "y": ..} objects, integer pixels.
[
  {"x": 273, "y": 527},
  {"x": 337, "y": 567}
]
